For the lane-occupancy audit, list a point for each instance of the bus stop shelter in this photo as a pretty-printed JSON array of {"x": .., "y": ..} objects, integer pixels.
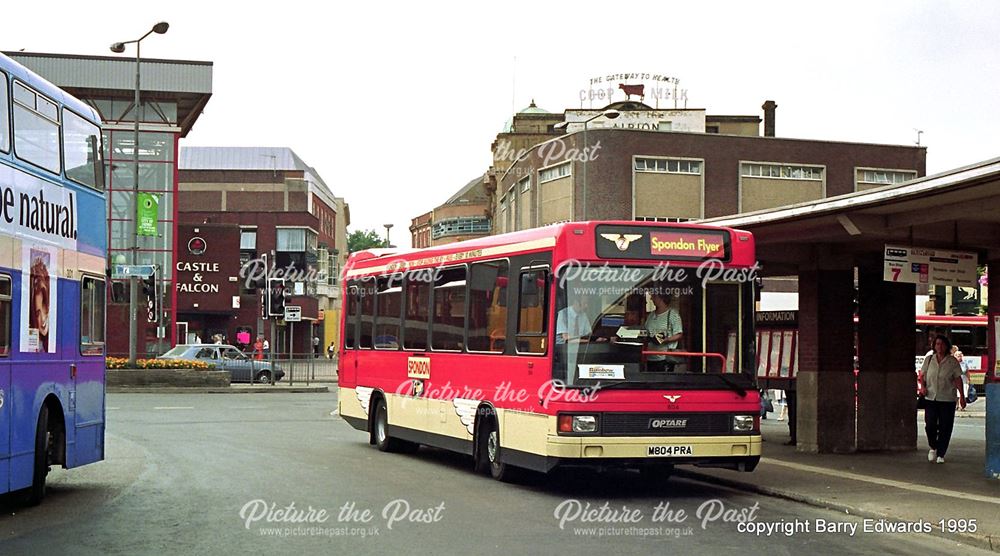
[{"x": 832, "y": 243}]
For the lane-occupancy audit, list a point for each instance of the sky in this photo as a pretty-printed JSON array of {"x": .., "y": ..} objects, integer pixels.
[{"x": 396, "y": 104}]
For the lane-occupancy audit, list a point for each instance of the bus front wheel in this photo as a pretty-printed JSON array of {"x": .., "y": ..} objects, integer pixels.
[
  {"x": 43, "y": 444},
  {"x": 380, "y": 430},
  {"x": 498, "y": 469}
]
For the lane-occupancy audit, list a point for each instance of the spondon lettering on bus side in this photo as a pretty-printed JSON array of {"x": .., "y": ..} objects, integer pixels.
[{"x": 418, "y": 367}]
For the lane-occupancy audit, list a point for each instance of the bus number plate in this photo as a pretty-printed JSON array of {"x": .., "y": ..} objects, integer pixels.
[{"x": 668, "y": 451}]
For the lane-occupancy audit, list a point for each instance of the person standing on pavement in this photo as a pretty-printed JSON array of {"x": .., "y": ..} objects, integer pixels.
[
  {"x": 957, "y": 353},
  {"x": 941, "y": 384},
  {"x": 316, "y": 347},
  {"x": 330, "y": 350},
  {"x": 790, "y": 403}
]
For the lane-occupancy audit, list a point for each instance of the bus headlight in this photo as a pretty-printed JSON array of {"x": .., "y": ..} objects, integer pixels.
[
  {"x": 743, "y": 423},
  {"x": 578, "y": 423}
]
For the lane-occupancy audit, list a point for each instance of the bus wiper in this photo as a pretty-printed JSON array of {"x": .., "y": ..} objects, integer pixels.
[{"x": 735, "y": 387}]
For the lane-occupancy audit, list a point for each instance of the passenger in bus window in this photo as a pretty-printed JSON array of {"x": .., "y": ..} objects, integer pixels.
[{"x": 665, "y": 332}]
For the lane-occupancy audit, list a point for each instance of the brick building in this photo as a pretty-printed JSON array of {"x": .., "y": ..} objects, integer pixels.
[{"x": 281, "y": 211}]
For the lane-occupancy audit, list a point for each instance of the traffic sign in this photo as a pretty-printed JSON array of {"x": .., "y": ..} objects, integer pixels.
[
  {"x": 293, "y": 313},
  {"x": 121, "y": 271}
]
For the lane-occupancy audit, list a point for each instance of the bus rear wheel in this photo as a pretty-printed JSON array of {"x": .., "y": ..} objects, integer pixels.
[{"x": 43, "y": 445}]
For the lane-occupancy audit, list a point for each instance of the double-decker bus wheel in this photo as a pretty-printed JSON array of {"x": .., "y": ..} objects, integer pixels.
[{"x": 43, "y": 442}]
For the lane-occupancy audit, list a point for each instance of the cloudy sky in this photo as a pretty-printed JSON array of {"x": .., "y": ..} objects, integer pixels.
[{"x": 396, "y": 104}]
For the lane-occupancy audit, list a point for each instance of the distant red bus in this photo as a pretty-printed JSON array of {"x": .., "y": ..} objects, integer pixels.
[
  {"x": 585, "y": 343},
  {"x": 777, "y": 341}
]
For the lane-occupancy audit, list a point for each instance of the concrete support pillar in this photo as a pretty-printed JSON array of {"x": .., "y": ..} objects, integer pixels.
[
  {"x": 993, "y": 377},
  {"x": 826, "y": 410},
  {"x": 887, "y": 390}
]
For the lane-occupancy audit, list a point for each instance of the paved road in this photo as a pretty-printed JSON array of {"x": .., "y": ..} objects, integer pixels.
[{"x": 181, "y": 470}]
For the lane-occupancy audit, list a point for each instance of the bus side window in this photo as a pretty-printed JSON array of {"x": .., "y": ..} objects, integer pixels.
[
  {"x": 351, "y": 319},
  {"x": 5, "y": 303},
  {"x": 533, "y": 301},
  {"x": 4, "y": 115},
  {"x": 448, "y": 327},
  {"x": 388, "y": 312},
  {"x": 417, "y": 299},
  {"x": 487, "y": 306},
  {"x": 366, "y": 292},
  {"x": 92, "y": 294}
]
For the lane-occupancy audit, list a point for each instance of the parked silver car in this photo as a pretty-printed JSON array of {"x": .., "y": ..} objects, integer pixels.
[{"x": 226, "y": 358}]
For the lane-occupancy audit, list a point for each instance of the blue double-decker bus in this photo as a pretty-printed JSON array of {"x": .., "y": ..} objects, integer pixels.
[{"x": 53, "y": 243}]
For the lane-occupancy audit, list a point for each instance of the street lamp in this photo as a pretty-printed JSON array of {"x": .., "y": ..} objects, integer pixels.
[
  {"x": 133, "y": 297},
  {"x": 609, "y": 114},
  {"x": 387, "y": 228}
]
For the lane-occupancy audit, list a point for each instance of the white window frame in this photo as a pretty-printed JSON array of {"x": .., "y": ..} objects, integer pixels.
[
  {"x": 701, "y": 174},
  {"x": 897, "y": 171},
  {"x": 679, "y": 162},
  {"x": 778, "y": 167},
  {"x": 542, "y": 171},
  {"x": 739, "y": 189}
]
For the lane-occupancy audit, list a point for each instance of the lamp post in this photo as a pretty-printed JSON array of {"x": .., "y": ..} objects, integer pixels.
[
  {"x": 387, "y": 228},
  {"x": 133, "y": 296},
  {"x": 609, "y": 114}
]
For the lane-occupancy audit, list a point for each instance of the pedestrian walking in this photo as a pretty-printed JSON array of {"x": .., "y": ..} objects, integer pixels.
[
  {"x": 316, "y": 347},
  {"x": 940, "y": 385}
]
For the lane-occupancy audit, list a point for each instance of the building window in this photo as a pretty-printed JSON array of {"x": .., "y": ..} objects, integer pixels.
[
  {"x": 290, "y": 239},
  {"x": 663, "y": 219},
  {"x": 248, "y": 239},
  {"x": 781, "y": 171},
  {"x": 461, "y": 225},
  {"x": 554, "y": 173},
  {"x": 885, "y": 177},
  {"x": 525, "y": 185},
  {"x": 711, "y": 129},
  {"x": 668, "y": 165},
  {"x": 36, "y": 129}
]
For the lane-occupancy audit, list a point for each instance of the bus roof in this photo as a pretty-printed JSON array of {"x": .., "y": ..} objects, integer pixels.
[
  {"x": 37, "y": 82},
  {"x": 535, "y": 239}
]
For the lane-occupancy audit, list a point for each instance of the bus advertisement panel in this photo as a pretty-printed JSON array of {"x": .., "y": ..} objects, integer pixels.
[{"x": 586, "y": 343}]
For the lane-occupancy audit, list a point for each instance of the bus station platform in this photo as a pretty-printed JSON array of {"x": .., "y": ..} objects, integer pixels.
[{"x": 894, "y": 486}]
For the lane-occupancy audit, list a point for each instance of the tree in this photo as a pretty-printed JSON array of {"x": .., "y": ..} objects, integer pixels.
[{"x": 359, "y": 240}]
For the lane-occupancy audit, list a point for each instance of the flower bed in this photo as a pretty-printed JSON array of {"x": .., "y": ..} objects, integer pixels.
[{"x": 122, "y": 363}]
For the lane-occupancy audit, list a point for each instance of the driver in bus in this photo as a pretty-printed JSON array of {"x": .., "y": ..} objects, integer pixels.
[
  {"x": 572, "y": 323},
  {"x": 665, "y": 332}
]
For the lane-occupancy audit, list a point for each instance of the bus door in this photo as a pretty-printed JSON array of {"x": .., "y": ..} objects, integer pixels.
[{"x": 5, "y": 396}]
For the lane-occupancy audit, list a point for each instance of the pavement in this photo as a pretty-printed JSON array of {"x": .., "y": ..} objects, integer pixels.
[
  {"x": 279, "y": 388},
  {"x": 891, "y": 486}
]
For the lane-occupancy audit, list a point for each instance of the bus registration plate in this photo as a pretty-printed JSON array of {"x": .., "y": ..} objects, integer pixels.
[{"x": 668, "y": 451}]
